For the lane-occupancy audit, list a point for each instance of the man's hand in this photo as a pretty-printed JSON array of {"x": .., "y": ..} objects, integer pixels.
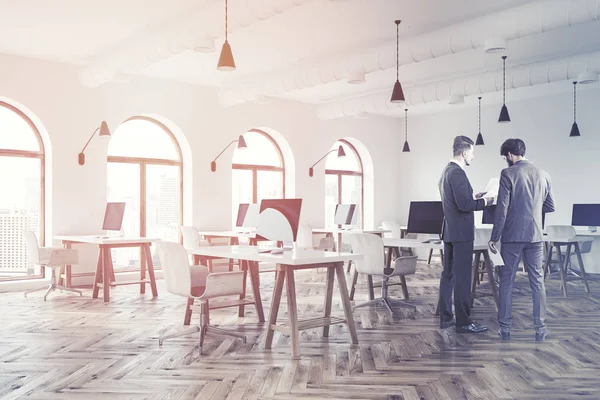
[
  {"x": 480, "y": 195},
  {"x": 489, "y": 200},
  {"x": 492, "y": 246}
]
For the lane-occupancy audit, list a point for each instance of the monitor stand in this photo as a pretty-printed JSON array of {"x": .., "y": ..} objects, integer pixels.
[{"x": 593, "y": 228}]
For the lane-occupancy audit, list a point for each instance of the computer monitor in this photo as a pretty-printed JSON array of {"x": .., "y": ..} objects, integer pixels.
[
  {"x": 425, "y": 217},
  {"x": 586, "y": 215},
  {"x": 489, "y": 213},
  {"x": 247, "y": 215},
  {"x": 279, "y": 219},
  {"x": 345, "y": 214},
  {"x": 113, "y": 216}
]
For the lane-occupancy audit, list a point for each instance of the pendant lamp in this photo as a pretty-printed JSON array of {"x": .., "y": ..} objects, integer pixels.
[
  {"x": 226, "y": 62},
  {"x": 504, "y": 117},
  {"x": 574, "y": 128},
  {"x": 397, "y": 93},
  {"x": 479, "y": 141},
  {"x": 406, "y": 147}
]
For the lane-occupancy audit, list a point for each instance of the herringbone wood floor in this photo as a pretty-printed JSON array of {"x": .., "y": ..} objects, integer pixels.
[{"x": 76, "y": 348}]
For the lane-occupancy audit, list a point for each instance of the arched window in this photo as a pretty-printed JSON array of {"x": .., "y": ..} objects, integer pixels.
[
  {"x": 343, "y": 181},
  {"x": 22, "y": 196},
  {"x": 258, "y": 170},
  {"x": 145, "y": 170}
]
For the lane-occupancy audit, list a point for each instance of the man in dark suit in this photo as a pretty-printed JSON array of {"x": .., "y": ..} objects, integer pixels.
[
  {"x": 524, "y": 195},
  {"x": 458, "y": 235}
]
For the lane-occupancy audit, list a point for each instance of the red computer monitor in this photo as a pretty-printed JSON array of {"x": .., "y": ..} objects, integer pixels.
[
  {"x": 113, "y": 216},
  {"x": 279, "y": 219}
]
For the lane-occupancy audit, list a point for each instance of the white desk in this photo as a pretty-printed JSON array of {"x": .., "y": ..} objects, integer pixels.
[
  {"x": 105, "y": 274},
  {"x": 287, "y": 263},
  {"x": 330, "y": 232}
]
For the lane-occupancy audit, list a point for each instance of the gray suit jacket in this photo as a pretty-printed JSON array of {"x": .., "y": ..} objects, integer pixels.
[
  {"x": 458, "y": 204},
  {"x": 525, "y": 193}
]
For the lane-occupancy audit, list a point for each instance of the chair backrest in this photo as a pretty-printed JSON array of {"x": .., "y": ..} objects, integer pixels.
[
  {"x": 327, "y": 243},
  {"x": 33, "y": 248},
  {"x": 304, "y": 239},
  {"x": 562, "y": 231},
  {"x": 224, "y": 284},
  {"x": 175, "y": 265},
  {"x": 191, "y": 239},
  {"x": 394, "y": 227},
  {"x": 371, "y": 248}
]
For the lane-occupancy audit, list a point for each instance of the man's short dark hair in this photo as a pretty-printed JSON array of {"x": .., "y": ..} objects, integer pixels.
[
  {"x": 461, "y": 143},
  {"x": 515, "y": 147}
]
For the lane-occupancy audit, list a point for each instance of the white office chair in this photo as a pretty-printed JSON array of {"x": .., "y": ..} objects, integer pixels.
[
  {"x": 191, "y": 238},
  {"x": 49, "y": 257},
  {"x": 197, "y": 283},
  {"x": 373, "y": 263}
]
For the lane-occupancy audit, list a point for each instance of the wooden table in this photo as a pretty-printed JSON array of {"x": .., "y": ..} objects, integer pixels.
[
  {"x": 568, "y": 242},
  {"x": 287, "y": 263},
  {"x": 479, "y": 250},
  {"x": 104, "y": 269}
]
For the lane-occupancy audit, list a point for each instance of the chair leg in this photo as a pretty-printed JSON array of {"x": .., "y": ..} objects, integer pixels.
[
  {"x": 429, "y": 258},
  {"x": 187, "y": 318},
  {"x": 393, "y": 302},
  {"x": 353, "y": 287},
  {"x": 368, "y": 303},
  {"x": 404, "y": 287},
  {"x": 185, "y": 332},
  {"x": 45, "y": 287}
]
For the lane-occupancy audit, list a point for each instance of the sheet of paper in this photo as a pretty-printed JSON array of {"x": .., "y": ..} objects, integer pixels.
[{"x": 492, "y": 189}]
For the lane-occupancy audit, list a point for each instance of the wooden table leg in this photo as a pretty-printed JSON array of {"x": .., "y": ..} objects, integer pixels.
[
  {"x": 150, "y": 267},
  {"x": 581, "y": 267},
  {"x": 277, "y": 291},
  {"x": 339, "y": 269},
  {"x": 328, "y": 297},
  {"x": 98, "y": 275},
  {"x": 489, "y": 266},
  {"x": 561, "y": 270},
  {"x": 243, "y": 267},
  {"x": 548, "y": 260},
  {"x": 187, "y": 318},
  {"x": 106, "y": 274},
  {"x": 253, "y": 271},
  {"x": 370, "y": 286},
  {"x": 475, "y": 269},
  {"x": 143, "y": 265},
  {"x": 290, "y": 291}
]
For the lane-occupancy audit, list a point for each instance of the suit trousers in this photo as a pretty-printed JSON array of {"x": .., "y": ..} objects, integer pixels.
[
  {"x": 533, "y": 258},
  {"x": 456, "y": 277}
]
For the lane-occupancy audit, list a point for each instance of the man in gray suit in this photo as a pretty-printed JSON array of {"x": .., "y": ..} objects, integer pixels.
[
  {"x": 458, "y": 235},
  {"x": 524, "y": 195}
]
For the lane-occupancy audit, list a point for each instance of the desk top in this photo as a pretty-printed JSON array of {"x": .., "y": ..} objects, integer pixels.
[
  {"x": 435, "y": 244},
  {"x": 572, "y": 239},
  {"x": 337, "y": 230},
  {"x": 228, "y": 234},
  {"x": 98, "y": 239},
  {"x": 288, "y": 257}
]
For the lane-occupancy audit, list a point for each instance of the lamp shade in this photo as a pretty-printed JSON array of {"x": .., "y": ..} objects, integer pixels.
[
  {"x": 397, "y": 93},
  {"x": 242, "y": 143},
  {"x": 574, "y": 130},
  {"x": 504, "y": 117},
  {"x": 104, "y": 131},
  {"x": 479, "y": 141},
  {"x": 406, "y": 147},
  {"x": 226, "y": 62},
  {"x": 341, "y": 152}
]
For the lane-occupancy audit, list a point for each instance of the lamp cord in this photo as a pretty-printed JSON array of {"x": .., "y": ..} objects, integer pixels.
[
  {"x": 503, "y": 79},
  {"x": 574, "y": 101},
  {"x": 225, "y": 20},
  {"x": 397, "y": 50},
  {"x": 406, "y": 124},
  {"x": 479, "y": 114}
]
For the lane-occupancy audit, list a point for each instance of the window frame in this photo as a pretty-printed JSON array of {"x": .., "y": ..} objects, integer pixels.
[
  {"x": 360, "y": 173},
  {"x": 256, "y": 168},
  {"x": 143, "y": 162},
  {"x": 40, "y": 155}
]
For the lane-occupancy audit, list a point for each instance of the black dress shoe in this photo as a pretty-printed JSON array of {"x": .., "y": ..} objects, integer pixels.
[
  {"x": 473, "y": 328},
  {"x": 447, "y": 324}
]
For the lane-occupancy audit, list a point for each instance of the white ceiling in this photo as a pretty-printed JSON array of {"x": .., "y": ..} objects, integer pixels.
[{"x": 278, "y": 44}]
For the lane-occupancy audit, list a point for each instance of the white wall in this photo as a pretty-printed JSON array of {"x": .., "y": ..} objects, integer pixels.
[
  {"x": 70, "y": 113},
  {"x": 543, "y": 124}
]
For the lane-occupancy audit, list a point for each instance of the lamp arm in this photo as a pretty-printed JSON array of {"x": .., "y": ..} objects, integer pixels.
[
  {"x": 223, "y": 151},
  {"x": 90, "y": 139},
  {"x": 321, "y": 159}
]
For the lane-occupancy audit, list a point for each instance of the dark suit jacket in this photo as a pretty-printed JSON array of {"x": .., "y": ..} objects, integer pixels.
[
  {"x": 525, "y": 194},
  {"x": 458, "y": 204}
]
